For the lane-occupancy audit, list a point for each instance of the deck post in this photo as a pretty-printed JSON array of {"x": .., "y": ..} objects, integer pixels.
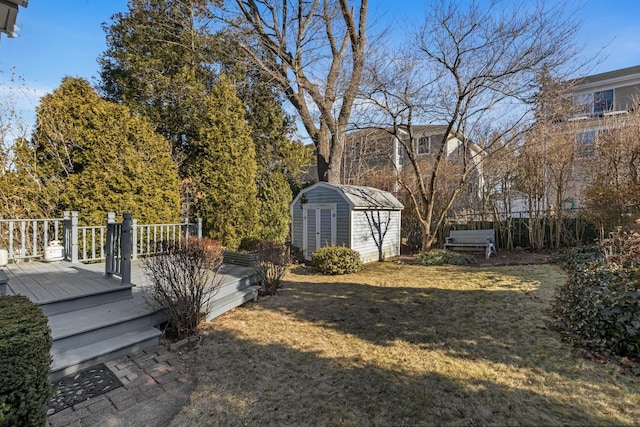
[
  {"x": 186, "y": 228},
  {"x": 125, "y": 241},
  {"x": 134, "y": 239},
  {"x": 199, "y": 228},
  {"x": 110, "y": 252},
  {"x": 70, "y": 235}
]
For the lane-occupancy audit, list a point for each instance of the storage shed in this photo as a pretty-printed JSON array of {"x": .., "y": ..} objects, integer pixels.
[{"x": 365, "y": 219}]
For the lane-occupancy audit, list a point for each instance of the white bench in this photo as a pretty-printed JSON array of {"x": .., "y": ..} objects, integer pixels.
[{"x": 472, "y": 240}]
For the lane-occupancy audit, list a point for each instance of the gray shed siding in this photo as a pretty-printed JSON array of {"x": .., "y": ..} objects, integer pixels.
[
  {"x": 366, "y": 224},
  {"x": 326, "y": 196},
  {"x": 320, "y": 196},
  {"x": 354, "y": 220}
]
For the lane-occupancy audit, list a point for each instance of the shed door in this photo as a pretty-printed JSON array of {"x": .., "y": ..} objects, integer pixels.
[{"x": 319, "y": 227}]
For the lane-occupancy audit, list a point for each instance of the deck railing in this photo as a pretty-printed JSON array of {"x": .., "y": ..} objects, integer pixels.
[
  {"x": 27, "y": 239},
  {"x": 123, "y": 246}
]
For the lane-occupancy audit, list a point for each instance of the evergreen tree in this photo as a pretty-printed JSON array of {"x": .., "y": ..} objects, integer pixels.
[
  {"x": 222, "y": 158},
  {"x": 156, "y": 58},
  {"x": 100, "y": 158},
  {"x": 274, "y": 198},
  {"x": 163, "y": 56}
]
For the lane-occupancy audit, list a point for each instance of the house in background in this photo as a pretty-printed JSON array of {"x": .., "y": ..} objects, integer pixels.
[
  {"x": 602, "y": 103},
  {"x": 375, "y": 152},
  {"x": 364, "y": 219},
  {"x": 9, "y": 14}
]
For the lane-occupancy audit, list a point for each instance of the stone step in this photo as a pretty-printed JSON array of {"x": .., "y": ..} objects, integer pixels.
[
  {"x": 75, "y": 359},
  {"x": 98, "y": 323}
]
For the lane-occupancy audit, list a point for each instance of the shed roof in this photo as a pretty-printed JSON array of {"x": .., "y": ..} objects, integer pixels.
[{"x": 360, "y": 197}]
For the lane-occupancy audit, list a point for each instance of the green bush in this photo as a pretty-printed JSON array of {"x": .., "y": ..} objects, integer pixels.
[
  {"x": 441, "y": 257},
  {"x": 336, "y": 260},
  {"x": 574, "y": 258},
  {"x": 599, "y": 306},
  {"x": 25, "y": 342}
]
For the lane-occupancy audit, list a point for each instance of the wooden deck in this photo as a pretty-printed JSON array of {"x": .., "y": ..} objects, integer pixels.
[
  {"x": 49, "y": 282},
  {"x": 45, "y": 282},
  {"x": 94, "y": 318}
]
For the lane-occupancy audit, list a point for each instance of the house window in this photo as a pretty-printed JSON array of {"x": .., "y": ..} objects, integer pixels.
[
  {"x": 583, "y": 103},
  {"x": 424, "y": 145},
  {"x": 586, "y": 143},
  {"x": 603, "y": 101}
]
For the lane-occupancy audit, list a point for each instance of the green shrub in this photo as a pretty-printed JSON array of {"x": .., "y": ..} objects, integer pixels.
[
  {"x": 273, "y": 260},
  {"x": 599, "y": 309},
  {"x": 25, "y": 342},
  {"x": 336, "y": 260},
  {"x": 441, "y": 257},
  {"x": 574, "y": 258}
]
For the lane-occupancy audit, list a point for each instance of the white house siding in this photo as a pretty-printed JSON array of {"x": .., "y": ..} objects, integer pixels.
[{"x": 362, "y": 239}]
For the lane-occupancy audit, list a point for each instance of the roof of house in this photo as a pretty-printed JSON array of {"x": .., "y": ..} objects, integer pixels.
[
  {"x": 9, "y": 14},
  {"x": 608, "y": 75},
  {"x": 360, "y": 197},
  {"x": 621, "y": 77}
]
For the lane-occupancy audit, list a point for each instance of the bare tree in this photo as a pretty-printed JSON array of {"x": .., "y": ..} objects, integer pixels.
[
  {"x": 315, "y": 51},
  {"x": 612, "y": 197},
  {"x": 470, "y": 65}
]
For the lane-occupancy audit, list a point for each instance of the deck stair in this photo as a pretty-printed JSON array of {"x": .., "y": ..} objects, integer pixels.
[
  {"x": 84, "y": 337},
  {"x": 94, "y": 319}
]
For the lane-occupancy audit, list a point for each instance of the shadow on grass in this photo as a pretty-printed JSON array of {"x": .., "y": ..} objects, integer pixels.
[
  {"x": 242, "y": 382},
  {"x": 490, "y": 324}
]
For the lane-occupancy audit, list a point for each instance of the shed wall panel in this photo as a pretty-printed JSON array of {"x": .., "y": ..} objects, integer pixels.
[
  {"x": 296, "y": 225},
  {"x": 385, "y": 225},
  {"x": 326, "y": 195}
]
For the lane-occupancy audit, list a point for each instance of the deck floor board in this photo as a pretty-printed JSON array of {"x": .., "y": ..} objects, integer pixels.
[{"x": 42, "y": 282}]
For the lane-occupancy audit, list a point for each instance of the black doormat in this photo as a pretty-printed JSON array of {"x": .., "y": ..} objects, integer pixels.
[{"x": 82, "y": 386}]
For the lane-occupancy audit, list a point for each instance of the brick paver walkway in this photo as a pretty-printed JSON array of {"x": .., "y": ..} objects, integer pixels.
[{"x": 155, "y": 386}]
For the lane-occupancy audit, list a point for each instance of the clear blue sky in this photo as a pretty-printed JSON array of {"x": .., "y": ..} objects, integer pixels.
[{"x": 65, "y": 37}]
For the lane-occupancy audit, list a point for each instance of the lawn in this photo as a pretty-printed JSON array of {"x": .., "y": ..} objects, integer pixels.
[{"x": 403, "y": 345}]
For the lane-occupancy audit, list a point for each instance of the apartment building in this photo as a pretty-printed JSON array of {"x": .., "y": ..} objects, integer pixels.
[{"x": 603, "y": 102}]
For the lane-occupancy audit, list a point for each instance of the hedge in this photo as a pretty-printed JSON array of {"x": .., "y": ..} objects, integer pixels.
[{"x": 25, "y": 342}]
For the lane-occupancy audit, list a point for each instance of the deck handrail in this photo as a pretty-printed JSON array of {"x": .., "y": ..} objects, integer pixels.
[
  {"x": 122, "y": 245},
  {"x": 27, "y": 239}
]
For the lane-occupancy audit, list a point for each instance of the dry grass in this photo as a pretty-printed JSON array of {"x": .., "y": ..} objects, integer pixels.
[{"x": 403, "y": 345}]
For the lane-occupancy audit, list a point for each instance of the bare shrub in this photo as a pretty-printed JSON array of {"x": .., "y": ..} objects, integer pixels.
[
  {"x": 183, "y": 281},
  {"x": 622, "y": 248},
  {"x": 273, "y": 260}
]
